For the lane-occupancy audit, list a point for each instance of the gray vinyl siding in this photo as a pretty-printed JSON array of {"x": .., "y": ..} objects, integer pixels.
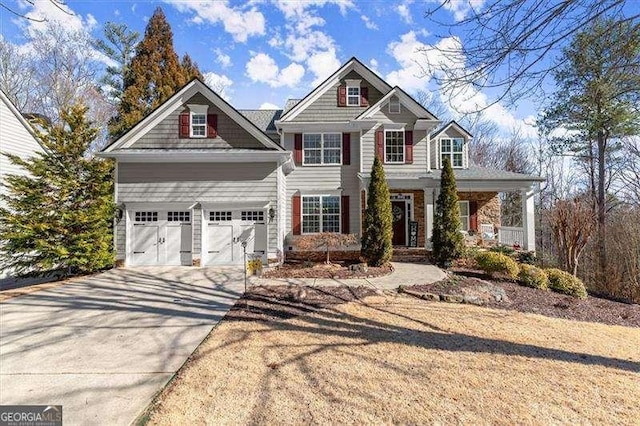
[
  {"x": 120, "y": 237},
  {"x": 166, "y": 133},
  {"x": 309, "y": 180},
  {"x": 326, "y": 108},
  {"x": 196, "y": 222},
  {"x": 198, "y": 182},
  {"x": 14, "y": 139},
  {"x": 420, "y": 141}
]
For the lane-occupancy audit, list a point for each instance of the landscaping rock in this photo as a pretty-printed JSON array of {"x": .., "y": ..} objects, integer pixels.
[
  {"x": 473, "y": 300},
  {"x": 451, "y": 298},
  {"x": 359, "y": 267},
  {"x": 430, "y": 296}
]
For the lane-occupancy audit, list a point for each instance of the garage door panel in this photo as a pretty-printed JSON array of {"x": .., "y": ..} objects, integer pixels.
[
  {"x": 145, "y": 244},
  {"x": 177, "y": 245},
  {"x": 219, "y": 244}
]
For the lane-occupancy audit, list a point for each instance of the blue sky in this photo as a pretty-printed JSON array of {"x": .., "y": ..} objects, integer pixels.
[{"x": 261, "y": 52}]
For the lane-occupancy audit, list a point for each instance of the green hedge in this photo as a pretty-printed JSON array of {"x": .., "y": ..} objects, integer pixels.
[
  {"x": 493, "y": 263},
  {"x": 532, "y": 276},
  {"x": 565, "y": 283}
]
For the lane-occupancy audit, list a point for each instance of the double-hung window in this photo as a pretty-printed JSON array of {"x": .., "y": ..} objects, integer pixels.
[
  {"x": 464, "y": 214},
  {"x": 394, "y": 105},
  {"x": 320, "y": 213},
  {"x": 453, "y": 149},
  {"x": 394, "y": 146},
  {"x": 353, "y": 95},
  {"x": 322, "y": 148},
  {"x": 198, "y": 121}
]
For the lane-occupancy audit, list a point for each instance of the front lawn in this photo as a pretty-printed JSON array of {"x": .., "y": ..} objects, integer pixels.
[{"x": 343, "y": 356}]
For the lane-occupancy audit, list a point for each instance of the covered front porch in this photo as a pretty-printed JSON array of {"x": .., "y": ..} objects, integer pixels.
[{"x": 413, "y": 200}]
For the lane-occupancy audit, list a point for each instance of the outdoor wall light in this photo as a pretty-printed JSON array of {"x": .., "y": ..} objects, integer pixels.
[{"x": 272, "y": 214}]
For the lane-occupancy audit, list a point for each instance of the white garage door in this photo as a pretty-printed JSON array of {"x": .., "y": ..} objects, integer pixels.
[
  {"x": 226, "y": 230},
  {"x": 161, "y": 237}
]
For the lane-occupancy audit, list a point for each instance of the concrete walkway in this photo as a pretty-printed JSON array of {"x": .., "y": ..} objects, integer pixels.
[
  {"x": 102, "y": 346},
  {"x": 403, "y": 274}
]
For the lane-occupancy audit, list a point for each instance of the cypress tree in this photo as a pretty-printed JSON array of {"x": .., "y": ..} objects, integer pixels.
[
  {"x": 154, "y": 75},
  {"x": 190, "y": 69},
  {"x": 447, "y": 240},
  {"x": 377, "y": 232},
  {"x": 59, "y": 215}
]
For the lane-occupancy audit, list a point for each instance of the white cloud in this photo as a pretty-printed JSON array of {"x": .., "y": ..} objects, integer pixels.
[
  {"x": 302, "y": 46},
  {"x": 222, "y": 58},
  {"x": 297, "y": 8},
  {"x": 462, "y": 8},
  {"x": 269, "y": 105},
  {"x": 368, "y": 22},
  {"x": 219, "y": 83},
  {"x": 404, "y": 12},
  {"x": 54, "y": 13},
  {"x": 420, "y": 62},
  {"x": 322, "y": 65},
  {"x": 241, "y": 23},
  {"x": 263, "y": 68},
  {"x": 373, "y": 64}
]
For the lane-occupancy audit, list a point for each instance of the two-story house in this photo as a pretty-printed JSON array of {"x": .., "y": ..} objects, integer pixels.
[{"x": 197, "y": 178}]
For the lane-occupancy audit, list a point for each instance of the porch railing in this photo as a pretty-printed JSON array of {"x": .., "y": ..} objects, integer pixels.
[{"x": 511, "y": 235}]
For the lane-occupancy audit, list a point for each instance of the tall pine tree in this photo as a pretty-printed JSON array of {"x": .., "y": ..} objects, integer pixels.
[
  {"x": 119, "y": 45},
  {"x": 59, "y": 216},
  {"x": 154, "y": 75},
  {"x": 447, "y": 240},
  {"x": 377, "y": 231}
]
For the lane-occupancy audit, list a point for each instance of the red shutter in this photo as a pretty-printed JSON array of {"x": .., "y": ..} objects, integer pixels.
[
  {"x": 346, "y": 149},
  {"x": 183, "y": 128},
  {"x": 364, "y": 96},
  {"x": 473, "y": 216},
  {"x": 296, "y": 208},
  {"x": 212, "y": 125},
  {"x": 408, "y": 147},
  {"x": 380, "y": 144},
  {"x": 297, "y": 148},
  {"x": 342, "y": 96},
  {"x": 345, "y": 214}
]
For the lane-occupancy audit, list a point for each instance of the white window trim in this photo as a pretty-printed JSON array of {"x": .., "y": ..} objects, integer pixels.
[
  {"x": 468, "y": 216},
  {"x": 197, "y": 110},
  {"x": 322, "y": 163},
  {"x": 391, "y": 102},
  {"x": 321, "y": 196},
  {"x": 404, "y": 146},
  {"x": 450, "y": 153}
]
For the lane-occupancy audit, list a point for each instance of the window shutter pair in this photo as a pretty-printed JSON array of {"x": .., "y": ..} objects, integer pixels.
[
  {"x": 473, "y": 215},
  {"x": 346, "y": 148},
  {"x": 408, "y": 146},
  {"x": 185, "y": 125},
  {"x": 296, "y": 210},
  {"x": 342, "y": 96}
]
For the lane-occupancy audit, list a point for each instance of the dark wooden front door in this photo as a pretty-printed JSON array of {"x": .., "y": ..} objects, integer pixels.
[{"x": 399, "y": 213}]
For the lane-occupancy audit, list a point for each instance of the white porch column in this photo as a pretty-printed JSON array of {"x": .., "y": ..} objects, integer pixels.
[
  {"x": 528, "y": 220},
  {"x": 429, "y": 202}
]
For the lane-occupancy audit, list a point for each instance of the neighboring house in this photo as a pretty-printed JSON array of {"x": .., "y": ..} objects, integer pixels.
[
  {"x": 16, "y": 137},
  {"x": 196, "y": 177}
]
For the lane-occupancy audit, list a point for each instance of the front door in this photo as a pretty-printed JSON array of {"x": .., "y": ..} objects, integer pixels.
[{"x": 399, "y": 214}]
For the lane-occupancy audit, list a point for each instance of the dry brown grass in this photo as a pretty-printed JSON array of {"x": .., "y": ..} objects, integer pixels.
[{"x": 402, "y": 360}]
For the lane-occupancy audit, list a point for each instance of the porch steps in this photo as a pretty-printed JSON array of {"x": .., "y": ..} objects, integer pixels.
[{"x": 417, "y": 255}]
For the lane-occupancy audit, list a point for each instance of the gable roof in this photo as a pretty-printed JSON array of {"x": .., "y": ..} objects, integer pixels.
[
  {"x": 405, "y": 99},
  {"x": 450, "y": 124},
  {"x": 18, "y": 115},
  {"x": 352, "y": 64},
  {"x": 177, "y": 100}
]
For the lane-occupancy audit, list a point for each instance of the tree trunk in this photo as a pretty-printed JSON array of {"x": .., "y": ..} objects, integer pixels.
[{"x": 602, "y": 212}]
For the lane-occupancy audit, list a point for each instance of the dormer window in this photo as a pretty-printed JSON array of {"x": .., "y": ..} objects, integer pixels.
[
  {"x": 453, "y": 149},
  {"x": 394, "y": 105}
]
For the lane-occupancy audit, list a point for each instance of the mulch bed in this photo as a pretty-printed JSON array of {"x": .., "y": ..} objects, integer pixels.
[
  {"x": 272, "y": 303},
  {"x": 337, "y": 270},
  {"x": 525, "y": 299}
]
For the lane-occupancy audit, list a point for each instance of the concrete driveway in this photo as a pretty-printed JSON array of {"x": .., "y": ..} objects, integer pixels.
[{"x": 102, "y": 346}]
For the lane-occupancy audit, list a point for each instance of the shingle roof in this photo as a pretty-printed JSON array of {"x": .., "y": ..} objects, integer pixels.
[
  {"x": 263, "y": 119},
  {"x": 290, "y": 104}
]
